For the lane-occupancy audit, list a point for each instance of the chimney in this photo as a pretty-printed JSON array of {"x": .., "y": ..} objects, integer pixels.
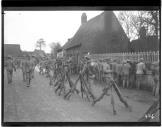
[{"x": 83, "y": 19}]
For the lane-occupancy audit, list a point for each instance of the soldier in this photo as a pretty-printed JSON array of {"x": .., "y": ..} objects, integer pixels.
[
  {"x": 113, "y": 68},
  {"x": 141, "y": 68},
  {"x": 126, "y": 69},
  {"x": 87, "y": 62},
  {"x": 33, "y": 64},
  {"x": 108, "y": 73},
  {"x": 155, "y": 74},
  {"x": 47, "y": 68},
  {"x": 28, "y": 69},
  {"x": 106, "y": 68},
  {"x": 119, "y": 74},
  {"x": 52, "y": 72},
  {"x": 23, "y": 61},
  {"x": 9, "y": 68}
]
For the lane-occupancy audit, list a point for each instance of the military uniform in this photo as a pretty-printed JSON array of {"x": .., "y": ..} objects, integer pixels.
[
  {"x": 33, "y": 67},
  {"x": 28, "y": 69},
  {"x": 140, "y": 73},
  {"x": 23, "y": 69},
  {"x": 126, "y": 70},
  {"x": 113, "y": 68},
  {"x": 9, "y": 69}
]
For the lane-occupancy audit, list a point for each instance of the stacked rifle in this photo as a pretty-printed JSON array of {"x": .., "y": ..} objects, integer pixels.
[{"x": 62, "y": 77}]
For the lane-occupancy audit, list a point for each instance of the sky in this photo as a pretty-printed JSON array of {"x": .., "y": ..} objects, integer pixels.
[{"x": 26, "y": 27}]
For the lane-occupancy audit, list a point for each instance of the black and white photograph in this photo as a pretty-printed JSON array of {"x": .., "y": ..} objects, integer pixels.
[{"x": 81, "y": 66}]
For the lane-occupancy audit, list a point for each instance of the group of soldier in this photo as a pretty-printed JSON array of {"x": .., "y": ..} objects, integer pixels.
[
  {"x": 115, "y": 72},
  {"x": 26, "y": 64},
  {"x": 129, "y": 73},
  {"x": 10, "y": 67},
  {"x": 126, "y": 73}
]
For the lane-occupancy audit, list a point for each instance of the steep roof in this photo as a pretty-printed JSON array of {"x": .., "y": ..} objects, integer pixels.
[
  {"x": 99, "y": 32},
  {"x": 91, "y": 26},
  {"x": 12, "y": 49}
]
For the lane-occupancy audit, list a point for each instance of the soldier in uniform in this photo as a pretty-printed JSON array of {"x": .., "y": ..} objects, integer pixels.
[
  {"x": 140, "y": 71},
  {"x": 108, "y": 73},
  {"x": 126, "y": 72},
  {"x": 9, "y": 68},
  {"x": 113, "y": 68},
  {"x": 87, "y": 62},
  {"x": 33, "y": 64},
  {"x": 23, "y": 61},
  {"x": 28, "y": 69}
]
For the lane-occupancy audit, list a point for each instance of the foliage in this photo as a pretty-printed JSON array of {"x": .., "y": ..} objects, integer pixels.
[
  {"x": 40, "y": 43},
  {"x": 54, "y": 47},
  {"x": 133, "y": 21}
]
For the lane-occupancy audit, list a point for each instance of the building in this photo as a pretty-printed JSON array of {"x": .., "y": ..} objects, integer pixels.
[
  {"x": 148, "y": 43},
  {"x": 101, "y": 34},
  {"x": 12, "y": 49}
]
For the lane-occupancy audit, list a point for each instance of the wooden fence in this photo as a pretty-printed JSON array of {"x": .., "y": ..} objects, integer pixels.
[{"x": 148, "y": 57}]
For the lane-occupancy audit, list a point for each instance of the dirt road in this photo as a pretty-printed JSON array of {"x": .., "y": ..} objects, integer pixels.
[{"x": 39, "y": 103}]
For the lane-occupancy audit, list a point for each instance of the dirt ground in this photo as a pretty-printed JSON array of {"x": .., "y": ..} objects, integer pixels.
[{"x": 39, "y": 103}]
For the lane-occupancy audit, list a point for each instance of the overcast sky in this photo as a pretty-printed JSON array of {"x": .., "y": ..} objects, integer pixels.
[{"x": 26, "y": 27}]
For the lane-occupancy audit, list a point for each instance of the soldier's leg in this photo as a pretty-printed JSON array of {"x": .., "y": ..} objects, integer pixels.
[
  {"x": 140, "y": 81},
  {"x": 50, "y": 83},
  {"x": 23, "y": 76},
  {"x": 30, "y": 77},
  {"x": 137, "y": 82},
  {"x": 27, "y": 78},
  {"x": 32, "y": 73},
  {"x": 123, "y": 81}
]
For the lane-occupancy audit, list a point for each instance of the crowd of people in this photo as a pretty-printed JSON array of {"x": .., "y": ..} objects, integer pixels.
[
  {"x": 126, "y": 73},
  {"x": 113, "y": 72},
  {"x": 27, "y": 65}
]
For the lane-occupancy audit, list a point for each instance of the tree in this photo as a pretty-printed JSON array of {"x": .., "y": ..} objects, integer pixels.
[
  {"x": 153, "y": 21},
  {"x": 54, "y": 47},
  {"x": 124, "y": 19},
  {"x": 40, "y": 43},
  {"x": 134, "y": 21},
  {"x": 137, "y": 22}
]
